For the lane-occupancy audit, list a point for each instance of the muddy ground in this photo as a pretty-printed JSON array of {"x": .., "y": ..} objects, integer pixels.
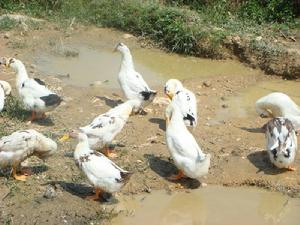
[{"x": 54, "y": 193}]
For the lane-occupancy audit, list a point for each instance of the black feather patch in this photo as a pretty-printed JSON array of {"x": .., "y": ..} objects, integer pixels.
[
  {"x": 39, "y": 81},
  {"x": 189, "y": 118},
  {"x": 147, "y": 94},
  {"x": 51, "y": 100},
  {"x": 125, "y": 177}
]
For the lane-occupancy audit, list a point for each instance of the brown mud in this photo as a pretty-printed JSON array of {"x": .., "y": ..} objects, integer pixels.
[{"x": 228, "y": 127}]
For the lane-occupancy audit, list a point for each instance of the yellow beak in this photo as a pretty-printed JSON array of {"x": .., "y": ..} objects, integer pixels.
[
  {"x": 170, "y": 96},
  {"x": 65, "y": 137}
]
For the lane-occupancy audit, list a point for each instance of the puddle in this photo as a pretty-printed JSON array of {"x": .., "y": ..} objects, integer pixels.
[
  {"x": 177, "y": 66},
  {"x": 211, "y": 205},
  {"x": 156, "y": 66},
  {"x": 243, "y": 105}
]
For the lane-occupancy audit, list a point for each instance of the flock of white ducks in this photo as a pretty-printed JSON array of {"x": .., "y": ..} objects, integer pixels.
[{"x": 104, "y": 174}]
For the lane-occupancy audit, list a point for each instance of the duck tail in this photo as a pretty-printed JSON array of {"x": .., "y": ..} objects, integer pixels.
[
  {"x": 125, "y": 175},
  {"x": 148, "y": 95},
  {"x": 51, "y": 100},
  {"x": 190, "y": 120}
]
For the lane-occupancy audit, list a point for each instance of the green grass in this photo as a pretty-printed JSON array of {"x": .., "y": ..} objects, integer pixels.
[
  {"x": 190, "y": 27},
  {"x": 13, "y": 109},
  {"x": 7, "y": 24}
]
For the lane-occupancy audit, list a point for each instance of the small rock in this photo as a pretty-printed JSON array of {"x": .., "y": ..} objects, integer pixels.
[
  {"x": 259, "y": 38},
  {"x": 32, "y": 66},
  {"x": 203, "y": 185},
  {"x": 147, "y": 190},
  {"x": 6, "y": 36},
  {"x": 206, "y": 84},
  {"x": 50, "y": 192},
  {"x": 224, "y": 106},
  {"x": 127, "y": 36},
  {"x": 223, "y": 98},
  {"x": 160, "y": 101}
]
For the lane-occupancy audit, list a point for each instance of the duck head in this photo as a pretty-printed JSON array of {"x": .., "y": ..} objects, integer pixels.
[
  {"x": 121, "y": 48},
  {"x": 172, "y": 86}
]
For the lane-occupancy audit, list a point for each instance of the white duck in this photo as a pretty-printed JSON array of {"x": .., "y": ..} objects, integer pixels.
[
  {"x": 185, "y": 100},
  {"x": 103, "y": 129},
  {"x": 281, "y": 142},
  {"x": 35, "y": 96},
  {"x": 132, "y": 83},
  {"x": 5, "y": 89},
  {"x": 186, "y": 153},
  {"x": 20, "y": 145},
  {"x": 278, "y": 104},
  {"x": 103, "y": 174}
]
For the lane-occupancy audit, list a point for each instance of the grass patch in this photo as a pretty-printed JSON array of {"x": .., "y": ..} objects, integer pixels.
[
  {"x": 7, "y": 24},
  {"x": 13, "y": 109}
]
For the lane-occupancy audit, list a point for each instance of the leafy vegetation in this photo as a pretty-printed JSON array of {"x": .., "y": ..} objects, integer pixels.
[
  {"x": 14, "y": 110},
  {"x": 193, "y": 27}
]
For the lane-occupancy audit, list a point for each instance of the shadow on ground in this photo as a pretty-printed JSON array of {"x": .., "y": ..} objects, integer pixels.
[
  {"x": 160, "y": 122},
  {"x": 261, "y": 161},
  {"x": 164, "y": 168},
  {"x": 83, "y": 191},
  {"x": 110, "y": 102}
]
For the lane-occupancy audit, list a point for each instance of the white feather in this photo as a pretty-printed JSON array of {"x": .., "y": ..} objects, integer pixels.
[
  {"x": 184, "y": 149},
  {"x": 100, "y": 171},
  {"x": 22, "y": 144},
  {"x": 279, "y": 104},
  {"x": 131, "y": 82}
]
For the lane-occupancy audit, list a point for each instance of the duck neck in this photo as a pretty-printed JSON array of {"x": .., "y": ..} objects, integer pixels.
[
  {"x": 176, "y": 118},
  {"x": 127, "y": 62},
  {"x": 82, "y": 148},
  {"x": 21, "y": 74}
]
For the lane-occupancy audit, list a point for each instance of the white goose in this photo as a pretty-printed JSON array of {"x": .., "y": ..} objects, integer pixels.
[
  {"x": 103, "y": 174},
  {"x": 184, "y": 99},
  {"x": 186, "y": 153},
  {"x": 281, "y": 142},
  {"x": 278, "y": 104},
  {"x": 103, "y": 129},
  {"x": 20, "y": 145},
  {"x": 132, "y": 83},
  {"x": 35, "y": 96}
]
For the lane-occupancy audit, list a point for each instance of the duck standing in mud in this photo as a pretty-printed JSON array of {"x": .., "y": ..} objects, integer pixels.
[
  {"x": 103, "y": 129},
  {"x": 132, "y": 83},
  {"x": 102, "y": 173},
  {"x": 184, "y": 99},
  {"x": 33, "y": 93},
  {"x": 20, "y": 145},
  {"x": 186, "y": 153},
  {"x": 281, "y": 142},
  {"x": 278, "y": 104}
]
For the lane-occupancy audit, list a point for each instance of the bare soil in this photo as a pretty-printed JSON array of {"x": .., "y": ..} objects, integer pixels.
[{"x": 55, "y": 193}]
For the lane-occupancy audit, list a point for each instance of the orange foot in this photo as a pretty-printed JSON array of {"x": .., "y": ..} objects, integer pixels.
[
  {"x": 176, "y": 177},
  {"x": 18, "y": 177},
  {"x": 96, "y": 196},
  {"x": 33, "y": 117},
  {"x": 290, "y": 168},
  {"x": 109, "y": 153},
  {"x": 26, "y": 171}
]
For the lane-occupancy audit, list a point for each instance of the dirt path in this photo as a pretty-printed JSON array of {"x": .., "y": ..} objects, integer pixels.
[{"x": 236, "y": 145}]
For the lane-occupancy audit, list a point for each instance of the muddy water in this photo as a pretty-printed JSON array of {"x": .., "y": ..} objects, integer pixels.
[
  {"x": 156, "y": 66},
  {"x": 243, "y": 104},
  {"x": 212, "y": 205}
]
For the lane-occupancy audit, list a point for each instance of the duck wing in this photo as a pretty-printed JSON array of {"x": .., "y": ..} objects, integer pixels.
[
  {"x": 186, "y": 101},
  {"x": 18, "y": 141}
]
